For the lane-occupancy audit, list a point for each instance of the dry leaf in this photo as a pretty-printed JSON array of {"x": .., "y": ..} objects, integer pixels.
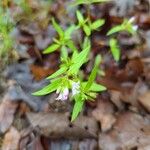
[
  {"x": 128, "y": 133},
  {"x": 11, "y": 139},
  {"x": 58, "y": 125},
  {"x": 104, "y": 114},
  {"x": 145, "y": 100},
  {"x": 40, "y": 72},
  {"x": 7, "y": 110}
]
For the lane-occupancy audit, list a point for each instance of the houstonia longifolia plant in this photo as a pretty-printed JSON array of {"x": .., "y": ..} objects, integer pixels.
[{"x": 67, "y": 81}]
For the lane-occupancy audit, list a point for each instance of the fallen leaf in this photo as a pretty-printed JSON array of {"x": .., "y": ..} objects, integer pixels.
[
  {"x": 7, "y": 111},
  {"x": 127, "y": 133},
  {"x": 58, "y": 125},
  {"x": 11, "y": 139},
  {"x": 115, "y": 97},
  {"x": 144, "y": 99},
  {"x": 104, "y": 114},
  {"x": 40, "y": 72},
  {"x": 35, "y": 144}
]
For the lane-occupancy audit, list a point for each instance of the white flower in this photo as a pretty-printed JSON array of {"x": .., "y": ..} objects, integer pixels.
[
  {"x": 63, "y": 95},
  {"x": 75, "y": 88},
  {"x": 132, "y": 19},
  {"x": 135, "y": 27}
]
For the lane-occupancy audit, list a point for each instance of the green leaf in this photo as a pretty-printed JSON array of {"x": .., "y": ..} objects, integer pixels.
[
  {"x": 87, "y": 30},
  {"x": 86, "y": 43},
  {"x": 115, "y": 29},
  {"x": 99, "y": 1},
  {"x": 79, "y": 17},
  {"x": 58, "y": 73},
  {"x": 49, "y": 88},
  {"x": 77, "y": 107},
  {"x": 79, "y": 60},
  {"x": 69, "y": 31},
  {"x": 98, "y": 23},
  {"x": 114, "y": 49},
  {"x": 57, "y": 28},
  {"x": 71, "y": 45},
  {"x": 64, "y": 53},
  {"x": 95, "y": 87},
  {"x": 79, "y": 2},
  {"x": 51, "y": 48},
  {"x": 93, "y": 73}
]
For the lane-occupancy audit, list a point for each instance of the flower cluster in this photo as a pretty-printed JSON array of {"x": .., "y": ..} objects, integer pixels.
[{"x": 64, "y": 93}]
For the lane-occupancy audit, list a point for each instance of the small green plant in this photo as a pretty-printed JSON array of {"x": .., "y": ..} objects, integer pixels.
[
  {"x": 126, "y": 26},
  {"x": 87, "y": 25},
  {"x": 67, "y": 78},
  {"x": 114, "y": 49},
  {"x": 66, "y": 81},
  {"x": 88, "y": 2},
  {"x": 64, "y": 39}
]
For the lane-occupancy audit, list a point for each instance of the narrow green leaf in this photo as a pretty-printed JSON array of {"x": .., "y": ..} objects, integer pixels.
[
  {"x": 86, "y": 43},
  {"x": 58, "y": 28},
  {"x": 93, "y": 73},
  {"x": 87, "y": 30},
  {"x": 49, "y": 88},
  {"x": 69, "y": 31},
  {"x": 79, "y": 17},
  {"x": 114, "y": 49},
  {"x": 79, "y": 60},
  {"x": 51, "y": 48},
  {"x": 79, "y": 2},
  {"x": 95, "y": 87},
  {"x": 98, "y": 23},
  {"x": 71, "y": 45},
  {"x": 99, "y": 1},
  {"x": 115, "y": 29},
  {"x": 77, "y": 107},
  {"x": 64, "y": 52},
  {"x": 57, "y": 73}
]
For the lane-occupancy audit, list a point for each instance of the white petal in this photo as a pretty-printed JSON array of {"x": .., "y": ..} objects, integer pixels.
[
  {"x": 65, "y": 91},
  {"x": 132, "y": 19},
  {"x": 135, "y": 27}
]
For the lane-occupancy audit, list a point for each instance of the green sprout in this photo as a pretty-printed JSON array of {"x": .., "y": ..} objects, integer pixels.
[
  {"x": 64, "y": 39},
  {"x": 114, "y": 49},
  {"x": 88, "y": 2},
  {"x": 87, "y": 25},
  {"x": 127, "y": 25}
]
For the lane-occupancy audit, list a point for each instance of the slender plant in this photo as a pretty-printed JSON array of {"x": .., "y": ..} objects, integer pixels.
[{"x": 66, "y": 81}]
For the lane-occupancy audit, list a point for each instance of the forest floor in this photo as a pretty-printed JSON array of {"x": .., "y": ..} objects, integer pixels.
[{"x": 119, "y": 117}]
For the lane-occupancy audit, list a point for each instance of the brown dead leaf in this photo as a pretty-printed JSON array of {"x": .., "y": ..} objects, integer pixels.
[
  {"x": 128, "y": 133},
  {"x": 7, "y": 110},
  {"x": 40, "y": 72},
  {"x": 144, "y": 21},
  {"x": 35, "y": 144},
  {"x": 11, "y": 139},
  {"x": 23, "y": 108},
  {"x": 104, "y": 114},
  {"x": 116, "y": 99},
  {"x": 144, "y": 99},
  {"x": 58, "y": 125}
]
